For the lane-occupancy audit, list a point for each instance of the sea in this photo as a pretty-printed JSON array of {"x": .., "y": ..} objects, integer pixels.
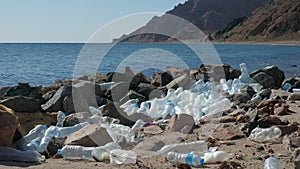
[{"x": 43, "y": 63}]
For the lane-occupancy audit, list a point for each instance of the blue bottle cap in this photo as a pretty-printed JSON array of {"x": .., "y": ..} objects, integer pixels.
[
  {"x": 59, "y": 151},
  {"x": 189, "y": 159},
  {"x": 202, "y": 161},
  {"x": 45, "y": 126}
]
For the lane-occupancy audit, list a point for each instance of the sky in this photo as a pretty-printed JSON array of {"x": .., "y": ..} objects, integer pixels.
[{"x": 70, "y": 20}]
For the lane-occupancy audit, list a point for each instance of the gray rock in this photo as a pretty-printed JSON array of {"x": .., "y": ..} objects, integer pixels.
[
  {"x": 22, "y": 104},
  {"x": 132, "y": 95},
  {"x": 273, "y": 71},
  {"x": 118, "y": 91},
  {"x": 56, "y": 102},
  {"x": 182, "y": 123},
  {"x": 247, "y": 90},
  {"x": 264, "y": 79},
  {"x": 76, "y": 118},
  {"x": 294, "y": 96},
  {"x": 24, "y": 89},
  {"x": 89, "y": 136},
  {"x": 68, "y": 105},
  {"x": 241, "y": 98}
]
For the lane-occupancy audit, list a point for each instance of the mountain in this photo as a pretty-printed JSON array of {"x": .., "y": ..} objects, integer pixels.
[
  {"x": 278, "y": 20},
  {"x": 208, "y": 15}
]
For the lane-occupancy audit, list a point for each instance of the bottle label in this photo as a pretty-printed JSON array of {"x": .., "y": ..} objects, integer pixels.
[{"x": 189, "y": 159}]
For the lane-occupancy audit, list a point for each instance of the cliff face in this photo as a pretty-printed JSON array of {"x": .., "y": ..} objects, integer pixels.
[
  {"x": 208, "y": 15},
  {"x": 278, "y": 20}
]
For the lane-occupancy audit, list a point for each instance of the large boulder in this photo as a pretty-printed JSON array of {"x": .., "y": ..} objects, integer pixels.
[
  {"x": 273, "y": 71},
  {"x": 265, "y": 80},
  {"x": 181, "y": 123},
  {"x": 56, "y": 102},
  {"x": 24, "y": 89},
  {"x": 8, "y": 126},
  {"x": 89, "y": 136},
  {"x": 217, "y": 72},
  {"x": 22, "y": 104},
  {"x": 76, "y": 118}
]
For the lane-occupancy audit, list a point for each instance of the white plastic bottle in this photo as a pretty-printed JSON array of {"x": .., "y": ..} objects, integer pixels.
[
  {"x": 103, "y": 152},
  {"x": 191, "y": 159},
  {"x": 118, "y": 156},
  {"x": 10, "y": 154},
  {"x": 271, "y": 163},
  {"x": 139, "y": 123},
  {"x": 76, "y": 152},
  {"x": 211, "y": 157},
  {"x": 169, "y": 109},
  {"x": 94, "y": 110},
  {"x": 184, "y": 148},
  {"x": 34, "y": 144},
  {"x": 245, "y": 78},
  {"x": 38, "y": 131},
  {"x": 265, "y": 134},
  {"x": 60, "y": 119}
]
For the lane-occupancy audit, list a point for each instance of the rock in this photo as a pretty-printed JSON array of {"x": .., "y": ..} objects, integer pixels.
[
  {"x": 237, "y": 112},
  {"x": 180, "y": 81},
  {"x": 76, "y": 118},
  {"x": 22, "y": 104},
  {"x": 292, "y": 141},
  {"x": 226, "y": 134},
  {"x": 230, "y": 165},
  {"x": 294, "y": 96},
  {"x": 182, "y": 123},
  {"x": 84, "y": 95},
  {"x": 118, "y": 91},
  {"x": 153, "y": 144},
  {"x": 113, "y": 110},
  {"x": 264, "y": 79},
  {"x": 269, "y": 121},
  {"x": 218, "y": 72},
  {"x": 68, "y": 105},
  {"x": 89, "y": 136},
  {"x": 23, "y": 89},
  {"x": 149, "y": 91},
  {"x": 274, "y": 72},
  {"x": 280, "y": 111},
  {"x": 242, "y": 118},
  {"x": 265, "y": 93},
  {"x": 8, "y": 126},
  {"x": 3, "y": 91},
  {"x": 132, "y": 95},
  {"x": 247, "y": 90},
  {"x": 152, "y": 130},
  {"x": 136, "y": 80},
  {"x": 56, "y": 102},
  {"x": 295, "y": 82},
  {"x": 166, "y": 78},
  {"x": 288, "y": 129},
  {"x": 241, "y": 98}
]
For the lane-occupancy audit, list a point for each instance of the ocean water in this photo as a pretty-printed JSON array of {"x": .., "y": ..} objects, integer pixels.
[{"x": 42, "y": 63}]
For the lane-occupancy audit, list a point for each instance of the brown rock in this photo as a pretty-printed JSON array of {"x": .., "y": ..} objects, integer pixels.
[
  {"x": 242, "y": 118},
  {"x": 294, "y": 96},
  {"x": 288, "y": 129},
  {"x": 269, "y": 121},
  {"x": 180, "y": 122},
  {"x": 89, "y": 136},
  {"x": 8, "y": 126},
  {"x": 280, "y": 111},
  {"x": 152, "y": 130},
  {"x": 226, "y": 134}
]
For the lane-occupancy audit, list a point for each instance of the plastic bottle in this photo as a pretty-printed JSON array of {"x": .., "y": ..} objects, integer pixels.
[
  {"x": 217, "y": 107},
  {"x": 211, "y": 157},
  {"x": 34, "y": 144},
  {"x": 59, "y": 132},
  {"x": 144, "y": 107},
  {"x": 169, "y": 109},
  {"x": 139, "y": 123},
  {"x": 103, "y": 152},
  {"x": 197, "y": 146},
  {"x": 94, "y": 110},
  {"x": 265, "y": 134},
  {"x": 60, "y": 119},
  {"x": 245, "y": 78},
  {"x": 10, "y": 154},
  {"x": 38, "y": 131},
  {"x": 286, "y": 87},
  {"x": 118, "y": 156},
  {"x": 76, "y": 152},
  {"x": 130, "y": 107},
  {"x": 271, "y": 163},
  {"x": 190, "y": 159},
  {"x": 117, "y": 131}
]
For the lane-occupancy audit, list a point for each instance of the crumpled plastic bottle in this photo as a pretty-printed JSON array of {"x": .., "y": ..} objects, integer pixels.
[{"x": 265, "y": 134}]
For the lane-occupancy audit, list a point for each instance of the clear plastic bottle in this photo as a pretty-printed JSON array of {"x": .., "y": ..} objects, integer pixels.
[
  {"x": 103, "y": 152},
  {"x": 118, "y": 156},
  {"x": 130, "y": 107},
  {"x": 211, "y": 157},
  {"x": 271, "y": 163},
  {"x": 245, "y": 78},
  {"x": 169, "y": 109},
  {"x": 286, "y": 87},
  {"x": 190, "y": 159},
  {"x": 139, "y": 123},
  {"x": 217, "y": 107},
  {"x": 59, "y": 132},
  {"x": 10, "y": 154},
  {"x": 94, "y": 110},
  {"x": 76, "y": 152},
  {"x": 118, "y": 131},
  {"x": 34, "y": 144},
  {"x": 197, "y": 146},
  {"x": 38, "y": 131},
  {"x": 60, "y": 119},
  {"x": 265, "y": 134}
]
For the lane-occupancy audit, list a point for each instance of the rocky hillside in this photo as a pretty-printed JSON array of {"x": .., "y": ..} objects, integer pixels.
[
  {"x": 208, "y": 15},
  {"x": 279, "y": 20}
]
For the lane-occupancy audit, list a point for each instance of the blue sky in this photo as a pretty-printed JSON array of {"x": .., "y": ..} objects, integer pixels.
[{"x": 68, "y": 20}]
